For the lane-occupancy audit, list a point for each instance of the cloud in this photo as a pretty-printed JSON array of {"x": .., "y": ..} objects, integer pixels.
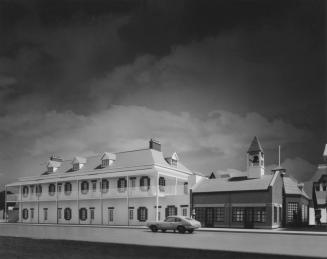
[{"x": 218, "y": 141}]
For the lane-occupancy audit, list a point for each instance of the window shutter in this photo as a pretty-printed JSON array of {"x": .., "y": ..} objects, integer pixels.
[
  {"x": 166, "y": 212},
  {"x": 175, "y": 210},
  {"x": 146, "y": 214},
  {"x": 138, "y": 214}
]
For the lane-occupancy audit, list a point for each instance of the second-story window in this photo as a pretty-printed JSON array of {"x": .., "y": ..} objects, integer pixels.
[
  {"x": 32, "y": 189},
  {"x": 68, "y": 188},
  {"x": 52, "y": 189},
  {"x": 144, "y": 183},
  {"x": 59, "y": 186},
  {"x": 25, "y": 191},
  {"x": 38, "y": 190},
  {"x": 122, "y": 184},
  {"x": 94, "y": 185},
  {"x": 85, "y": 187},
  {"x": 185, "y": 188},
  {"x": 162, "y": 183},
  {"x": 105, "y": 186},
  {"x": 132, "y": 182}
]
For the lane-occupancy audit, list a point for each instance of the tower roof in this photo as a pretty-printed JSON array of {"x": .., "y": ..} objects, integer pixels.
[{"x": 255, "y": 146}]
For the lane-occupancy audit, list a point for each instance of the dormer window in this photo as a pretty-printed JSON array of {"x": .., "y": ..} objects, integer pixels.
[
  {"x": 53, "y": 164},
  {"x": 174, "y": 159},
  {"x": 107, "y": 159},
  {"x": 78, "y": 163}
]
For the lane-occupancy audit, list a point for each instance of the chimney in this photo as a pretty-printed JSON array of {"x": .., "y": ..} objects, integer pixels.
[{"x": 155, "y": 145}]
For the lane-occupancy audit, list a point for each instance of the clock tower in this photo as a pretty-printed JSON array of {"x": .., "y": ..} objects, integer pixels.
[{"x": 255, "y": 160}]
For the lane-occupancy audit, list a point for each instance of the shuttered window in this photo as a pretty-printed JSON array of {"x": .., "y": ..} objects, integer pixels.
[
  {"x": 52, "y": 189},
  {"x": 142, "y": 214},
  {"x": 122, "y": 184},
  {"x": 68, "y": 188},
  {"x": 145, "y": 183},
  {"x": 38, "y": 189},
  {"x": 68, "y": 214},
  {"x": 171, "y": 211},
  {"x": 25, "y": 214},
  {"x": 105, "y": 186},
  {"x": 83, "y": 214},
  {"x": 85, "y": 187},
  {"x": 25, "y": 191},
  {"x": 162, "y": 184}
]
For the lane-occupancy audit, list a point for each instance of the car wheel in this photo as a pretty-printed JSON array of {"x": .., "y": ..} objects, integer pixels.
[
  {"x": 163, "y": 230},
  {"x": 181, "y": 229},
  {"x": 190, "y": 231},
  {"x": 154, "y": 228}
]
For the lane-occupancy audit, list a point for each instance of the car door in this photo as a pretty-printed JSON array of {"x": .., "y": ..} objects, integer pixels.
[{"x": 169, "y": 223}]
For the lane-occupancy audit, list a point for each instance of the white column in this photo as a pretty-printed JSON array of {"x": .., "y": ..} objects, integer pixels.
[
  {"x": 157, "y": 196},
  {"x": 101, "y": 201},
  {"x": 5, "y": 203},
  {"x": 38, "y": 205},
  {"x": 175, "y": 185},
  {"x": 78, "y": 201},
  {"x": 127, "y": 200},
  {"x": 57, "y": 201},
  {"x": 20, "y": 204}
]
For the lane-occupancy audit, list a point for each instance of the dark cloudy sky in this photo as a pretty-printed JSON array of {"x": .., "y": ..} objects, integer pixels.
[{"x": 204, "y": 77}]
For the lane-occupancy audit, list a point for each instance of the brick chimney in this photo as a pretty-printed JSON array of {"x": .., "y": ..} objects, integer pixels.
[{"x": 155, "y": 145}]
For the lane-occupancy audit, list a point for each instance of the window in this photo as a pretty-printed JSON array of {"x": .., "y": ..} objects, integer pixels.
[
  {"x": 220, "y": 214},
  {"x": 185, "y": 188},
  {"x": 85, "y": 187},
  {"x": 59, "y": 187},
  {"x": 131, "y": 214},
  {"x": 324, "y": 187},
  {"x": 145, "y": 183},
  {"x": 45, "y": 214},
  {"x": 122, "y": 184},
  {"x": 171, "y": 211},
  {"x": 25, "y": 191},
  {"x": 94, "y": 185},
  {"x": 260, "y": 215},
  {"x": 59, "y": 212},
  {"x": 50, "y": 169},
  {"x": 237, "y": 214},
  {"x": 105, "y": 163},
  {"x": 92, "y": 213},
  {"x": 38, "y": 189},
  {"x": 133, "y": 182},
  {"x": 159, "y": 215},
  {"x": 173, "y": 162},
  {"x": 317, "y": 187},
  {"x": 25, "y": 214},
  {"x": 105, "y": 185},
  {"x": 52, "y": 189},
  {"x": 292, "y": 211},
  {"x": 142, "y": 214},
  {"x": 184, "y": 212},
  {"x": 68, "y": 188},
  {"x": 76, "y": 167},
  {"x": 275, "y": 214},
  {"x": 162, "y": 183},
  {"x": 83, "y": 214},
  {"x": 32, "y": 189},
  {"x": 68, "y": 214},
  {"x": 110, "y": 214},
  {"x": 32, "y": 213}
]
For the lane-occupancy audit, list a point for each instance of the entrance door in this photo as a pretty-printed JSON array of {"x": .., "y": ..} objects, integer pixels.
[
  {"x": 209, "y": 217},
  {"x": 248, "y": 217}
]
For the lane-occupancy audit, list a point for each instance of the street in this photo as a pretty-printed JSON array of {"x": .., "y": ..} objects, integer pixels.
[{"x": 273, "y": 242}]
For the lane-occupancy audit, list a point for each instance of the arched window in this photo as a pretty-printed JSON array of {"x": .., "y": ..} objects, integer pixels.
[
  {"x": 52, "y": 189},
  {"x": 83, "y": 214},
  {"x": 68, "y": 188},
  {"x": 142, "y": 214},
  {"x": 85, "y": 187},
  {"x": 25, "y": 214},
  {"x": 162, "y": 184},
  {"x": 122, "y": 184},
  {"x": 145, "y": 183},
  {"x": 68, "y": 214},
  {"x": 25, "y": 191},
  {"x": 105, "y": 186},
  {"x": 38, "y": 189},
  {"x": 171, "y": 211}
]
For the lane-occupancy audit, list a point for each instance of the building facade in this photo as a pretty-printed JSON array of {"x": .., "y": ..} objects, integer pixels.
[
  {"x": 125, "y": 188},
  {"x": 254, "y": 199}
]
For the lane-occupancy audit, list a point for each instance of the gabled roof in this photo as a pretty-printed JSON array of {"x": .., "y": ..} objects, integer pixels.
[
  {"x": 107, "y": 155},
  {"x": 224, "y": 185},
  {"x": 255, "y": 146},
  {"x": 79, "y": 159},
  {"x": 291, "y": 186}
]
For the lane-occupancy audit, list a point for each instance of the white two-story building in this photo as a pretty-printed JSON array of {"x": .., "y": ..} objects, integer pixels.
[{"x": 125, "y": 188}]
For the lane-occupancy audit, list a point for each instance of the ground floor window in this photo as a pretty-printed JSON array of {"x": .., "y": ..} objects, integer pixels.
[
  {"x": 32, "y": 213},
  {"x": 131, "y": 214},
  {"x": 142, "y": 214},
  {"x": 83, "y": 214},
  {"x": 220, "y": 214},
  {"x": 275, "y": 214},
  {"x": 292, "y": 211},
  {"x": 184, "y": 212},
  {"x": 260, "y": 215},
  {"x": 92, "y": 213},
  {"x": 45, "y": 213},
  {"x": 111, "y": 214},
  {"x": 237, "y": 214},
  {"x": 59, "y": 213},
  {"x": 171, "y": 211},
  {"x": 68, "y": 214},
  {"x": 25, "y": 214}
]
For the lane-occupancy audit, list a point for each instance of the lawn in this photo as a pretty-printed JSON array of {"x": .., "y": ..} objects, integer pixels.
[{"x": 13, "y": 247}]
